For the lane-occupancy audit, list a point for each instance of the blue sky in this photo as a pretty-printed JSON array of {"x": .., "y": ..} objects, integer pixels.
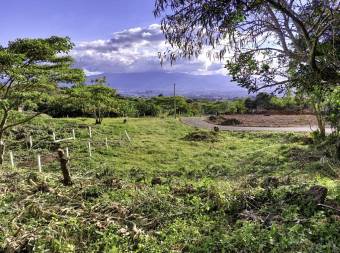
[
  {"x": 80, "y": 19},
  {"x": 111, "y": 36}
]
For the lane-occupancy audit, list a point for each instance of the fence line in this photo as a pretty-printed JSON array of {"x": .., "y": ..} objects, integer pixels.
[{"x": 36, "y": 157}]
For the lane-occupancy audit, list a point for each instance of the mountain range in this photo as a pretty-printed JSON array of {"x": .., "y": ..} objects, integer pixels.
[{"x": 154, "y": 83}]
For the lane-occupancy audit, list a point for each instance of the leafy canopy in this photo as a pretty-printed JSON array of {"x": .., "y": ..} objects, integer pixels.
[
  {"x": 269, "y": 43},
  {"x": 97, "y": 98},
  {"x": 31, "y": 69}
]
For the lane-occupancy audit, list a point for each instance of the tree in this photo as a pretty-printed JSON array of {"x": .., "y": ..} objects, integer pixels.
[
  {"x": 273, "y": 43},
  {"x": 333, "y": 109},
  {"x": 263, "y": 100},
  {"x": 97, "y": 98},
  {"x": 250, "y": 104},
  {"x": 147, "y": 108},
  {"x": 30, "y": 68},
  {"x": 333, "y": 115}
]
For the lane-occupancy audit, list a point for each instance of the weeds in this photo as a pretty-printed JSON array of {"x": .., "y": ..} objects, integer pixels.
[{"x": 244, "y": 192}]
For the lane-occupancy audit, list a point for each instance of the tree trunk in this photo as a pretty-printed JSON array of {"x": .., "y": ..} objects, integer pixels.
[
  {"x": 64, "y": 168},
  {"x": 320, "y": 119},
  {"x": 2, "y": 130},
  {"x": 98, "y": 118},
  {"x": 321, "y": 125}
]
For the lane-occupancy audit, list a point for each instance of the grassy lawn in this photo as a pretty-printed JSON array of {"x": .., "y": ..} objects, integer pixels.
[{"x": 244, "y": 192}]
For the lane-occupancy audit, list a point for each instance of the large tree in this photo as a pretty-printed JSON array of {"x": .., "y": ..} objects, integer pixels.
[
  {"x": 97, "y": 98},
  {"x": 30, "y": 68},
  {"x": 271, "y": 44}
]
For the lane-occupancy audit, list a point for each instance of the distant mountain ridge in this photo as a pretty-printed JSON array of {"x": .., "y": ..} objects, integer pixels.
[{"x": 155, "y": 83}]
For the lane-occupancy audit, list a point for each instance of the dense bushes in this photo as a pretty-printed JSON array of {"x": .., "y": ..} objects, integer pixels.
[{"x": 265, "y": 101}]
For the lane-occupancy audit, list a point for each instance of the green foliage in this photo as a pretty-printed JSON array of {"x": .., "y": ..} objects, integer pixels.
[
  {"x": 333, "y": 108},
  {"x": 213, "y": 196},
  {"x": 290, "y": 39},
  {"x": 97, "y": 98},
  {"x": 85, "y": 104},
  {"x": 147, "y": 108},
  {"x": 30, "y": 70}
]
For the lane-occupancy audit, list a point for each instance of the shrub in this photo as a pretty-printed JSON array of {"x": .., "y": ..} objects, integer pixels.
[
  {"x": 230, "y": 122},
  {"x": 202, "y": 136}
]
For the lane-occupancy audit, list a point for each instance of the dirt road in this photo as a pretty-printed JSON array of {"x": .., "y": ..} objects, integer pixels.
[{"x": 201, "y": 123}]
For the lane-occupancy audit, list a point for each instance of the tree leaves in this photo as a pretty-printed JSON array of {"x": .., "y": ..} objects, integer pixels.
[{"x": 30, "y": 69}]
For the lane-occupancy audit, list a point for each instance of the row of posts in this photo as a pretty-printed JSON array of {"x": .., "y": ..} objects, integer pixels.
[
  {"x": 74, "y": 137},
  {"x": 67, "y": 153}
]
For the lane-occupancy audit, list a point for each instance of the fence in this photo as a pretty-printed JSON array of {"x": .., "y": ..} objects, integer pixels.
[{"x": 36, "y": 157}]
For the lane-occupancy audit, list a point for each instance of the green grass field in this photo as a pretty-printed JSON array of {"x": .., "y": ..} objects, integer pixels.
[{"x": 244, "y": 192}]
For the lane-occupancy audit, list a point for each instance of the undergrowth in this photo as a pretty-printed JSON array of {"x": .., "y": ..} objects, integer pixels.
[{"x": 167, "y": 191}]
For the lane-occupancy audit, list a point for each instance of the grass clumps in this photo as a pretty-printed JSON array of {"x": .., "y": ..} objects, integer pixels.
[
  {"x": 247, "y": 192},
  {"x": 200, "y": 135}
]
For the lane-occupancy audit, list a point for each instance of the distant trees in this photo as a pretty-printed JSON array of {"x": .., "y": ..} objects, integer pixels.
[
  {"x": 78, "y": 101},
  {"x": 29, "y": 70},
  {"x": 147, "y": 108},
  {"x": 266, "y": 101},
  {"x": 274, "y": 43}
]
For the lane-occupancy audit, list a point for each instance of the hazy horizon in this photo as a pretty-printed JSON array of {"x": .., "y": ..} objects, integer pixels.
[{"x": 118, "y": 38}]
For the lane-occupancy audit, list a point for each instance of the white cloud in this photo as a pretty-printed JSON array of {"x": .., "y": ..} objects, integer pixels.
[
  {"x": 136, "y": 50},
  {"x": 92, "y": 73}
]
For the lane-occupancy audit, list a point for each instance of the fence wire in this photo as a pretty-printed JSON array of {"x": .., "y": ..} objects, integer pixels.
[{"x": 25, "y": 152}]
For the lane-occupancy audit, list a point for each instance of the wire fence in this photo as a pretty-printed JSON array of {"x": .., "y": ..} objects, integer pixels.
[{"x": 34, "y": 151}]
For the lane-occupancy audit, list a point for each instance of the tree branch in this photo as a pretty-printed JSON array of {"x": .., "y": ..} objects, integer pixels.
[
  {"x": 290, "y": 13},
  {"x": 24, "y": 120}
]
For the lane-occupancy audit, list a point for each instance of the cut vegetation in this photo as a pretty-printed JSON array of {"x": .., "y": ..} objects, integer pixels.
[{"x": 171, "y": 189}]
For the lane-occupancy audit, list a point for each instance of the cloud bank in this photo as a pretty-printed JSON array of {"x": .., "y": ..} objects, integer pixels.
[{"x": 136, "y": 50}]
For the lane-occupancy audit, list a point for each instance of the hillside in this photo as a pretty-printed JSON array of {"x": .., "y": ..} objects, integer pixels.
[
  {"x": 171, "y": 189},
  {"x": 155, "y": 83}
]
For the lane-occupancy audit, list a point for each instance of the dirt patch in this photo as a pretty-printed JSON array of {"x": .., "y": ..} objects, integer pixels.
[
  {"x": 31, "y": 162},
  {"x": 261, "y": 120}
]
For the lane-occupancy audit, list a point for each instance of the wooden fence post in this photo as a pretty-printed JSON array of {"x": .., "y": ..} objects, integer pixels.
[
  {"x": 73, "y": 134},
  {"x": 90, "y": 132},
  {"x": 64, "y": 168},
  {"x": 106, "y": 144},
  {"x": 39, "y": 163},
  {"x": 127, "y": 136},
  {"x": 11, "y": 158},
  {"x": 89, "y": 147},
  {"x": 67, "y": 152}
]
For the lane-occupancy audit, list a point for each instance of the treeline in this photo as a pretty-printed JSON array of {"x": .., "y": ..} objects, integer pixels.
[{"x": 101, "y": 101}]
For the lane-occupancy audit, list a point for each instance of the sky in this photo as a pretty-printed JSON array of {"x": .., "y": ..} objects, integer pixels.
[
  {"x": 110, "y": 36},
  {"x": 82, "y": 20}
]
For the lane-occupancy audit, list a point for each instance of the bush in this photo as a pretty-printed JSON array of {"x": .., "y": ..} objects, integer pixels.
[
  {"x": 230, "y": 122},
  {"x": 202, "y": 136}
]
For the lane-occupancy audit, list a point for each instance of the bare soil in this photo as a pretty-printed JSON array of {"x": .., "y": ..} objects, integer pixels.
[{"x": 261, "y": 120}]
